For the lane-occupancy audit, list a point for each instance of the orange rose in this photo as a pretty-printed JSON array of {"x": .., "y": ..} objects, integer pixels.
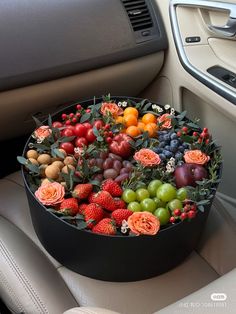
[
  {"x": 143, "y": 223},
  {"x": 109, "y": 107},
  {"x": 147, "y": 157},
  {"x": 196, "y": 157},
  {"x": 42, "y": 132},
  {"x": 164, "y": 121},
  {"x": 50, "y": 193}
]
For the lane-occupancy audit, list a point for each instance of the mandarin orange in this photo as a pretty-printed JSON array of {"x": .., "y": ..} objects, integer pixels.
[
  {"x": 131, "y": 110},
  {"x": 149, "y": 118},
  {"x": 133, "y": 131},
  {"x": 130, "y": 120}
]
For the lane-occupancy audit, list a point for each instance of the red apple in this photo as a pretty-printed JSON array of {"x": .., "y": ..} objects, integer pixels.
[
  {"x": 120, "y": 145},
  {"x": 188, "y": 174}
]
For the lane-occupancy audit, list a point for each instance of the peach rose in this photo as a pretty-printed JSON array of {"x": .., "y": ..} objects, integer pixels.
[
  {"x": 143, "y": 223},
  {"x": 50, "y": 193},
  {"x": 164, "y": 121},
  {"x": 196, "y": 157},
  {"x": 42, "y": 132},
  {"x": 147, "y": 157},
  {"x": 109, "y": 107}
]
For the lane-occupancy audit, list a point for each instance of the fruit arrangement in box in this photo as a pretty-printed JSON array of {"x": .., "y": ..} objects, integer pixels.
[{"x": 122, "y": 168}]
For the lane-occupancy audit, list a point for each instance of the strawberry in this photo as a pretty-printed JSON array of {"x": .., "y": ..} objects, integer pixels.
[
  {"x": 119, "y": 203},
  {"x": 82, "y": 207},
  {"x": 93, "y": 212},
  {"x": 112, "y": 187},
  {"x": 69, "y": 206},
  {"x": 121, "y": 214},
  {"x": 104, "y": 199},
  {"x": 105, "y": 226},
  {"x": 90, "y": 197},
  {"x": 82, "y": 191}
]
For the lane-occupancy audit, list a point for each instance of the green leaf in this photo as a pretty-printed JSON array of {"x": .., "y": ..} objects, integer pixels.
[
  {"x": 58, "y": 153},
  {"x": 79, "y": 217},
  {"x": 182, "y": 115},
  {"x": 96, "y": 132},
  {"x": 81, "y": 225},
  {"x": 37, "y": 121},
  {"x": 33, "y": 168},
  {"x": 95, "y": 182},
  {"x": 42, "y": 147},
  {"x": 22, "y": 160},
  {"x": 85, "y": 117},
  {"x": 49, "y": 121},
  {"x": 193, "y": 126},
  {"x": 201, "y": 208},
  {"x": 66, "y": 139}
]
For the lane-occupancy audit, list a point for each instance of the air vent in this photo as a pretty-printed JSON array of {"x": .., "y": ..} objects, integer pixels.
[{"x": 139, "y": 14}]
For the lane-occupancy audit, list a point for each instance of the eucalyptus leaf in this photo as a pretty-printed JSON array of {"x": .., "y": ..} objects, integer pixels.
[
  {"x": 37, "y": 121},
  {"x": 50, "y": 121},
  {"x": 33, "y": 168},
  {"x": 66, "y": 139},
  {"x": 81, "y": 225},
  {"x": 85, "y": 117},
  {"x": 201, "y": 208},
  {"x": 22, "y": 160},
  {"x": 182, "y": 115}
]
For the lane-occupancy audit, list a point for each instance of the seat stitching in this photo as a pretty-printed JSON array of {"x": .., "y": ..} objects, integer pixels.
[
  {"x": 14, "y": 299},
  {"x": 22, "y": 278}
]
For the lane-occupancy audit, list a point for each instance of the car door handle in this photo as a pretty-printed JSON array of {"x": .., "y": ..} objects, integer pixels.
[{"x": 229, "y": 30}]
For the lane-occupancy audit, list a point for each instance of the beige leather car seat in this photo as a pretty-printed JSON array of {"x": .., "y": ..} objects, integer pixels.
[{"x": 31, "y": 281}]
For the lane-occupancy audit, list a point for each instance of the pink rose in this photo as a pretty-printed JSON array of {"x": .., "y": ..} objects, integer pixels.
[
  {"x": 50, "y": 193},
  {"x": 42, "y": 132},
  {"x": 143, "y": 223},
  {"x": 164, "y": 121}
]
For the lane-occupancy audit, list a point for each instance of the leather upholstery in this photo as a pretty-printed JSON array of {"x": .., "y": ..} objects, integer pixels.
[
  {"x": 143, "y": 297},
  {"x": 89, "y": 310},
  {"x": 29, "y": 282},
  {"x": 202, "y": 301}
]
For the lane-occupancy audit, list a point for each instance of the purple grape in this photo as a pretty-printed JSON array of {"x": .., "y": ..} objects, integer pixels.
[
  {"x": 108, "y": 163},
  {"x": 110, "y": 174},
  {"x": 99, "y": 163},
  {"x": 98, "y": 177},
  {"x": 122, "y": 177},
  {"x": 114, "y": 156},
  {"x": 127, "y": 164},
  {"x": 117, "y": 165},
  {"x": 92, "y": 162},
  {"x": 103, "y": 155},
  {"x": 124, "y": 170}
]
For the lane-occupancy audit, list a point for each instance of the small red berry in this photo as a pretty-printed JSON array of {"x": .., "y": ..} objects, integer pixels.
[
  {"x": 187, "y": 208},
  {"x": 63, "y": 116},
  {"x": 107, "y": 127},
  {"x": 87, "y": 110},
  {"x": 183, "y": 216},
  {"x": 193, "y": 207},
  {"x": 185, "y": 129},
  {"x": 200, "y": 140},
  {"x": 179, "y": 133},
  {"x": 195, "y": 134},
  {"x": 67, "y": 122},
  {"x": 110, "y": 133},
  {"x": 108, "y": 140},
  {"x": 191, "y": 214},
  {"x": 71, "y": 115},
  {"x": 177, "y": 212},
  {"x": 207, "y": 141},
  {"x": 74, "y": 120},
  {"x": 106, "y": 133},
  {"x": 79, "y": 107},
  {"x": 205, "y": 130},
  {"x": 78, "y": 115},
  {"x": 172, "y": 219}
]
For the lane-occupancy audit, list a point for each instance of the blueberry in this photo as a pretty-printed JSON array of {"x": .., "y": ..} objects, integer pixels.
[
  {"x": 161, "y": 144},
  {"x": 158, "y": 150},
  {"x": 173, "y": 136},
  {"x": 167, "y": 147},
  {"x": 160, "y": 138},
  {"x": 178, "y": 156},
  {"x": 168, "y": 154},
  {"x": 181, "y": 149},
  {"x": 173, "y": 149},
  {"x": 185, "y": 145},
  {"x": 166, "y": 137},
  {"x": 174, "y": 143},
  {"x": 162, "y": 156}
]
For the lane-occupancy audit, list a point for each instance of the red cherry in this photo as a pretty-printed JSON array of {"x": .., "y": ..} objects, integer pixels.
[
  {"x": 191, "y": 214},
  {"x": 108, "y": 140},
  {"x": 67, "y": 132},
  {"x": 81, "y": 141},
  {"x": 67, "y": 122},
  {"x": 57, "y": 124},
  {"x": 107, "y": 127},
  {"x": 90, "y": 137},
  {"x": 68, "y": 147},
  {"x": 88, "y": 125},
  {"x": 183, "y": 216},
  {"x": 63, "y": 116},
  {"x": 79, "y": 107},
  {"x": 172, "y": 219},
  {"x": 177, "y": 212},
  {"x": 98, "y": 124},
  {"x": 80, "y": 130},
  {"x": 185, "y": 129}
]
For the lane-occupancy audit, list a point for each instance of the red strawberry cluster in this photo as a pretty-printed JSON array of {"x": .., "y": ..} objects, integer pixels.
[{"x": 103, "y": 211}]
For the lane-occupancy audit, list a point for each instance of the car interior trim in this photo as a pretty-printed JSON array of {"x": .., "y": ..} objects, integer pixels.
[{"x": 207, "y": 80}]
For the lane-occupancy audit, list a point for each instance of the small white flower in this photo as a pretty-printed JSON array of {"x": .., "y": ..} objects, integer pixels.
[
  {"x": 40, "y": 140},
  {"x": 159, "y": 109},
  {"x": 124, "y": 226},
  {"x": 119, "y": 104},
  {"x": 167, "y": 107},
  {"x": 172, "y": 111},
  {"x": 31, "y": 145},
  {"x": 78, "y": 150},
  {"x": 154, "y": 107}
]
